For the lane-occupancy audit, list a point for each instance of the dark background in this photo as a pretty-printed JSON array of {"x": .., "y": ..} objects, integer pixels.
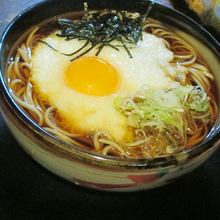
[{"x": 27, "y": 191}]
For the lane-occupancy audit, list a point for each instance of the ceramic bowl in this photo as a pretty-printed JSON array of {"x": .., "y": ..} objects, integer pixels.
[{"x": 78, "y": 165}]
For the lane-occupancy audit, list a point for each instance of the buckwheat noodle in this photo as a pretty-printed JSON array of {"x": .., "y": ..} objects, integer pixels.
[{"x": 185, "y": 56}]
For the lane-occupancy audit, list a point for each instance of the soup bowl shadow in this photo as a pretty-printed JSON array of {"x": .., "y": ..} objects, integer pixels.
[{"x": 84, "y": 167}]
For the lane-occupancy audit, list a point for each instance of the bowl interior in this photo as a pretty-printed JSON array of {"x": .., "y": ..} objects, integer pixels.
[{"x": 202, "y": 40}]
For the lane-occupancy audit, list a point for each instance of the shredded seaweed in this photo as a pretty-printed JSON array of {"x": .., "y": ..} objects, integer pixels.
[{"x": 99, "y": 28}]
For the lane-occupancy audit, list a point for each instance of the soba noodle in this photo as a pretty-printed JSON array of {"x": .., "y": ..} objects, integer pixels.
[{"x": 185, "y": 57}]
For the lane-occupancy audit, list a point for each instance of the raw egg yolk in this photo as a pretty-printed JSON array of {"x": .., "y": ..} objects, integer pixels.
[{"x": 92, "y": 76}]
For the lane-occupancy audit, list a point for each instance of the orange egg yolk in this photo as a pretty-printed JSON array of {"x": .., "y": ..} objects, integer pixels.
[{"x": 92, "y": 76}]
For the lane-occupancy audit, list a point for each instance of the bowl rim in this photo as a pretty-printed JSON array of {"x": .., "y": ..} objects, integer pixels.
[{"x": 86, "y": 155}]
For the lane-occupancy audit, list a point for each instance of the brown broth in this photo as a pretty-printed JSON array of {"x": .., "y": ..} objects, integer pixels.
[{"x": 49, "y": 26}]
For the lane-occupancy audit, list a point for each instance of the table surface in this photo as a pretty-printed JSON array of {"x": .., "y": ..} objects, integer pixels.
[{"x": 28, "y": 191}]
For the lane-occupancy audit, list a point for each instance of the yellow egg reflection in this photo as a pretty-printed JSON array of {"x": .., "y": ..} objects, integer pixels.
[{"x": 92, "y": 76}]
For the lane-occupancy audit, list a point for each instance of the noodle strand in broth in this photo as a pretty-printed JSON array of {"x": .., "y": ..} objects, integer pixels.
[{"x": 185, "y": 56}]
